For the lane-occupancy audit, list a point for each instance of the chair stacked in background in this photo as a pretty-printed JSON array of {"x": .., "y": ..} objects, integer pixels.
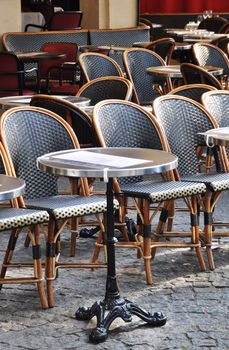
[{"x": 125, "y": 124}]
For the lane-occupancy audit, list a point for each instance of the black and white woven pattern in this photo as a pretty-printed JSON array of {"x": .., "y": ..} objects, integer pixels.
[
  {"x": 217, "y": 182},
  {"x": 162, "y": 191},
  {"x": 182, "y": 121},
  {"x": 105, "y": 89},
  {"x": 30, "y": 135},
  {"x": 81, "y": 123},
  {"x": 66, "y": 206},
  {"x": 124, "y": 125},
  {"x": 96, "y": 66},
  {"x": 136, "y": 63},
  {"x": 210, "y": 55},
  {"x": 16, "y": 218},
  {"x": 194, "y": 93}
]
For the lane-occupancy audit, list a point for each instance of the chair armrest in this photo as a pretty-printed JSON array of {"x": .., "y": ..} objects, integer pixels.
[{"x": 35, "y": 26}]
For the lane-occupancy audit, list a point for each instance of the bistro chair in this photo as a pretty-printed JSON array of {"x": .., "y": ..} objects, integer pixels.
[
  {"x": 63, "y": 20},
  {"x": 213, "y": 24},
  {"x": 95, "y": 65},
  {"x": 222, "y": 43},
  {"x": 164, "y": 47},
  {"x": 193, "y": 91},
  {"x": 205, "y": 54},
  {"x": 60, "y": 76},
  {"x": 75, "y": 116},
  {"x": 194, "y": 74},
  {"x": 105, "y": 88},
  {"x": 184, "y": 139},
  {"x": 13, "y": 221},
  {"x": 12, "y": 76},
  {"x": 126, "y": 124},
  {"x": 217, "y": 104},
  {"x": 146, "y": 87},
  {"x": 28, "y": 133}
]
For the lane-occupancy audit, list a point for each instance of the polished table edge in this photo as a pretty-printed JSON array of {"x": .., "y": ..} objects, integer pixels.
[
  {"x": 10, "y": 187},
  {"x": 73, "y": 169}
]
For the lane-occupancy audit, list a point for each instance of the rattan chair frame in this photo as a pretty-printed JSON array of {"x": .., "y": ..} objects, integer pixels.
[
  {"x": 106, "y": 88},
  {"x": 204, "y": 76},
  {"x": 193, "y": 91},
  {"x": 193, "y": 118},
  {"x": 113, "y": 120},
  {"x": 94, "y": 65},
  {"x": 143, "y": 83},
  {"x": 42, "y": 195},
  {"x": 167, "y": 44}
]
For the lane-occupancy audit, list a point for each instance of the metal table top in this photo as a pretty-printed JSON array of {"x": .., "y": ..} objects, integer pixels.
[
  {"x": 16, "y": 101},
  {"x": 173, "y": 71},
  {"x": 218, "y": 136},
  {"x": 10, "y": 187},
  {"x": 107, "y": 162}
]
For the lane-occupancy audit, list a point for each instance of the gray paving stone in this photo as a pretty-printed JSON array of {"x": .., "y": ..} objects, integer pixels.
[{"x": 196, "y": 303}]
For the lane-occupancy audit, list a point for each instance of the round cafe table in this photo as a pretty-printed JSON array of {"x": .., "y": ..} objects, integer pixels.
[
  {"x": 10, "y": 187},
  {"x": 107, "y": 163}
]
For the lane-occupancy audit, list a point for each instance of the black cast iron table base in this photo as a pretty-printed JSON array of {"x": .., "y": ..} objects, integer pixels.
[
  {"x": 117, "y": 306},
  {"x": 120, "y": 307}
]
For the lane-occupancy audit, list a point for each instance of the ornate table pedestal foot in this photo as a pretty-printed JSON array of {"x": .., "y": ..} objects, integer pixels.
[{"x": 120, "y": 307}]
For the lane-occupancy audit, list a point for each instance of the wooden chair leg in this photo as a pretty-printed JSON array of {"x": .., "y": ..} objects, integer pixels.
[
  {"x": 50, "y": 263},
  {"x": 195, "y": 232},
  {"x": 208, "y": 229},
  {"x": 38, "y": 267},
  {"x": 9, "y": 252},
  {"x": 147, "y": 242},
  {"x": 74, "y": 235},
  {"x": 160, "y": 227}
]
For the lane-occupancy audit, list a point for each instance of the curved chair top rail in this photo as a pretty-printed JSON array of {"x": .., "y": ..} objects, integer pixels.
[{"x": 32, "y": 41}]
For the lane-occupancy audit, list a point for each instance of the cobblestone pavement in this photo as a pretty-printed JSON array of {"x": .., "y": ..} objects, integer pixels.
[{"x": 196, "y": 303}]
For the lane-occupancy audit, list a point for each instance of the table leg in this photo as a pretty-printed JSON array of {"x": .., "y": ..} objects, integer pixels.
[{"x": 118, "y": 306}]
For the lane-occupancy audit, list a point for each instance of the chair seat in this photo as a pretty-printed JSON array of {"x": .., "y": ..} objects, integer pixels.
[
  {"x": 217, "y": 182},
  {"x": 19, "y": 217},
  {"x": 162, "y": 191},
  {"x": 67, "y": 206}
]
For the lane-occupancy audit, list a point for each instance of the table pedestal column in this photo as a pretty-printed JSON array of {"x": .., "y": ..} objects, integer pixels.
[{"x": 117, "y": 306}]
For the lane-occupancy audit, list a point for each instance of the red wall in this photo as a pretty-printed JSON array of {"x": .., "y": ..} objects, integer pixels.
[{"x": 172, "y": 6}]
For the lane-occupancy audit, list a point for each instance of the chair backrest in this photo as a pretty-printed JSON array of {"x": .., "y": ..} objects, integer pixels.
[
  {"x": 30, "y": 132},
  {"x": 193, "y": 74},
  {"x": 136, "y": 61},
  {"x": 106, "y": 88},
  {"x": 221, "y": 43},
  {"x": 163, "y": 47},
  {"x": 193, "y": 91},
  {"x": 126, "y": 124},
  {"x": 69, "y": 49},
  {"x": 11, "y": 75},
  {"x": 212, "y": 24},
  {"x": 217, "y": 104},
  {"x": 65, "y": 20},
  {"x": 75, "y": 116},
  {"x": 95, "y": 65},
  {"x": 225, "y": 28},
  {"x": 206, "y": 54},
  {"x": 182, "y": 119}
]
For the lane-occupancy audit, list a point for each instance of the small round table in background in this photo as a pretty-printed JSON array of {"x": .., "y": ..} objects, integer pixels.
[
  {"x": 10, "y": 187},
  {"x": 107, "y": 163}
]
